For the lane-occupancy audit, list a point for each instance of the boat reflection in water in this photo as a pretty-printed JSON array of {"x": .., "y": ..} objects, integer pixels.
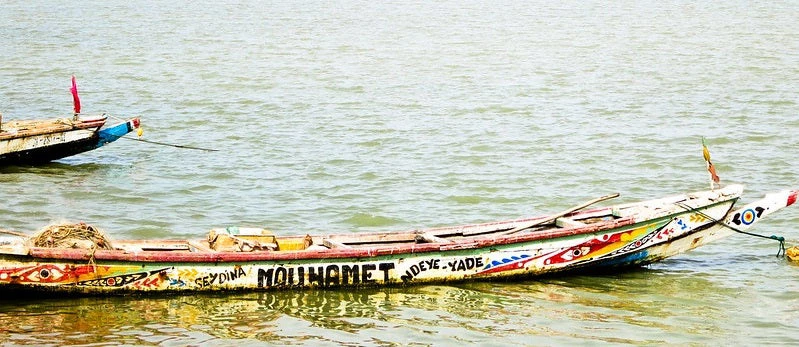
[{"x": 471, "y": 312}]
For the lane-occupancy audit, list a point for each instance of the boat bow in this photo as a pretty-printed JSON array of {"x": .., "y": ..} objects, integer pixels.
[
  {"x": 736, "y": 220},
  {"x": 113, "y": 133},
  {"x": 746, "y": 216}
]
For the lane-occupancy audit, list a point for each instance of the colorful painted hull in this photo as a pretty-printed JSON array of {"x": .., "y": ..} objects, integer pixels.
[
  {"x": 34, "y": 142},
  {"x": 254, "y": 259}
]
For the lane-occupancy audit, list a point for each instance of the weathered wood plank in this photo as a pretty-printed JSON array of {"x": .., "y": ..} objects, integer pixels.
[
  {"x": 426, "y": 237},
  {"x": 334, "y": 244},
  {"x": 564, "y": 222},
  {"x": 166, "y": 247},
  {"x": 24, "y": 128},
  {"x": 375, "y": 238},
  {"x": 201, "y": 246}
]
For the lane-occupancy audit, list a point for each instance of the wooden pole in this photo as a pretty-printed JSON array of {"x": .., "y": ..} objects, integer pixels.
[{"x": 558, "y": 215}]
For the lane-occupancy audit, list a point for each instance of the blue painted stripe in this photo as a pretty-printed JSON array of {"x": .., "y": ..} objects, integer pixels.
[
  {"x": 113, "y": 133},
  {"x": 631, "y": 259}
]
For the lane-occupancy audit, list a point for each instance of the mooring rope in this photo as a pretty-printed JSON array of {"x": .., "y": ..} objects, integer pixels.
[
  {"x": 163, "y": 143},
  {"x": 169, "y": 144},
  {"x": 155, "y": 142},
  {"x": 780, "y": 239}
]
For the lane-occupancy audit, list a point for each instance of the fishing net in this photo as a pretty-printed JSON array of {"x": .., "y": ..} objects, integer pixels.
[{"x": 79, "y": 235}]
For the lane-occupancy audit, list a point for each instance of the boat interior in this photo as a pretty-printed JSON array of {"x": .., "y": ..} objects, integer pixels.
[
  {"x": 237, "y": 239},
  {"x": 24, "y": 128},
  {"x": 242, "y": 239}
]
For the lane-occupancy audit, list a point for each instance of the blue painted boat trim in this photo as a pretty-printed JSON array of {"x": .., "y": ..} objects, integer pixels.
[{"x": 111, "y": 134}]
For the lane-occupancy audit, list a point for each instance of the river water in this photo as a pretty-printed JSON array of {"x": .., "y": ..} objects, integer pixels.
[{"x": 352, "y": 116}]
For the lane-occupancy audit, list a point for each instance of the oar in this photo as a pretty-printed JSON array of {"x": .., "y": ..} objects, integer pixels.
[
  {"x": 561, "y": 214},
  {"x": 3, "y": 231}
]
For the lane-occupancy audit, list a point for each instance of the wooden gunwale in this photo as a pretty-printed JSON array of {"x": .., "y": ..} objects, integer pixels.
[
  {"x": 202, "y": 255},
  {"x": 39, "y": 127},
  {"x": 333, "y": 253}
]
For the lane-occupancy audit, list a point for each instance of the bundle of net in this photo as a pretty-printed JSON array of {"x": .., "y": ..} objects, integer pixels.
[{"x": 80, "y": 235}]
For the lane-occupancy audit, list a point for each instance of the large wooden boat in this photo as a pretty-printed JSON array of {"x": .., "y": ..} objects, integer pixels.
[
  {"x": 41, "y": 141},
  {"x": 79, "y": 259}
]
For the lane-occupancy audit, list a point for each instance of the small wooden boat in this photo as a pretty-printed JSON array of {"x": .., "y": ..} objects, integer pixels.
[
  {"x": 79, "y": 259},
  {"x": 40, "y": 141}
]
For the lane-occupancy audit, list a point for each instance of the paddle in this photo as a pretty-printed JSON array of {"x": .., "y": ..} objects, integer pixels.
[
  {"x": 561, "y": 214},
  {"x": 3, "y": 231}
]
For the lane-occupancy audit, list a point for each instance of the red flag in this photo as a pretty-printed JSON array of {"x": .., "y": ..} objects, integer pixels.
[
  {"x": 75, "y": 98},
  {"x": 712, "y": 170}
]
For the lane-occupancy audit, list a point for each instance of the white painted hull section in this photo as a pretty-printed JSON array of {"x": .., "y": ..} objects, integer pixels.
[{"x": 44, "y": 140}]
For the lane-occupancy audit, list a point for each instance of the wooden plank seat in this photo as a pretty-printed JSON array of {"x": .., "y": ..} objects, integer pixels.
[
  {"x": 334, "y": 244},
  {"x": 223, "y": 241},
  {"x": 564, "y": 222}
]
